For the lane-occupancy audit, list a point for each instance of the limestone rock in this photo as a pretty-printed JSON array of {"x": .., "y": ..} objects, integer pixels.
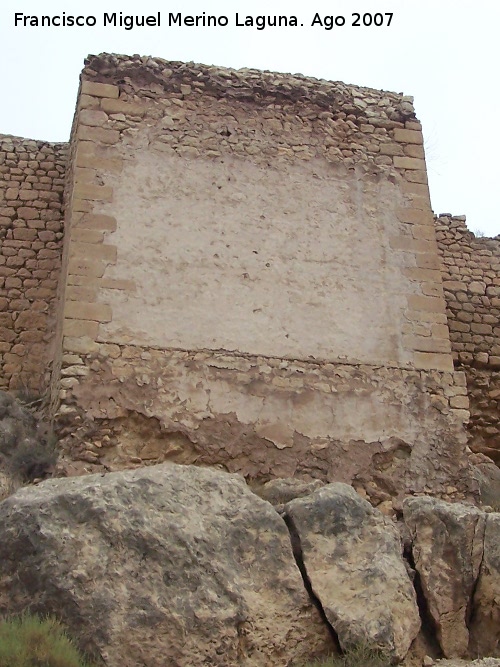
[
  {"x": 482, "y": 662},
  {"x": 282, "y": 490},
  {"x": 7, "y": 485},
  {"x": 165, "y": 565},
  {"x": 485, "y": 621},
  {"x": 447, "y": 549},
  {"x": 352, "y": 556},
  {"x": 487, "y": 475}
]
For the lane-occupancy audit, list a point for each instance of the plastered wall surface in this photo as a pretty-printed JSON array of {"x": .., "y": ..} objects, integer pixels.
[
  {"x": 252, "y": 280},
  {"x": 471, "y": 280},
  {"x": 183, "y": 143},
  {"x": 230, "y": 254},
  {"x": 31, "y": 238}
]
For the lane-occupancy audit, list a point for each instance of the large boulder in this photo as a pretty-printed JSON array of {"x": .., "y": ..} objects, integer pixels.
[
  {"x": 352, "y": 557},
  {"x": 447, "y": 550},
  {"x": 485, "y": 620},
  {"x": 165, "y": 565}
]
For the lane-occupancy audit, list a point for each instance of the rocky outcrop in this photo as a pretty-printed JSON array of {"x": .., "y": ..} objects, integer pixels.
[
  {"x": 352, "y": 556},
  {"x": 487, "y": 476},
  {"x": 184, "y": 565},
  {"x": 169, "y": 564},
  {"x": 447, "y": 551},
  {"x": 485, "y": 619},
  {"x": 26, "y": 449}
]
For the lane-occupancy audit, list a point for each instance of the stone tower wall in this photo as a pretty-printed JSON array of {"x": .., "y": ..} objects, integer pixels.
[{"x": 253, "y": 280}]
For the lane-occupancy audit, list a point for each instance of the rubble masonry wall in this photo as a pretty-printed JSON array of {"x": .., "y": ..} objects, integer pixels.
[
  {"x": 31, "y": 238},
  {"x": 471, "y": 279}
]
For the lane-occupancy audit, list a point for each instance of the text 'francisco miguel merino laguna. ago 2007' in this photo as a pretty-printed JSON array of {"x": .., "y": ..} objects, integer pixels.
[{"x": 260, "y": 22}]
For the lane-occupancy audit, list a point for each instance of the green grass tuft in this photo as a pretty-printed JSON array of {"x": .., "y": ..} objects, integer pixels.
[
  {"x": 30, "y": 641},
  {"x": 357, "y": 656}
]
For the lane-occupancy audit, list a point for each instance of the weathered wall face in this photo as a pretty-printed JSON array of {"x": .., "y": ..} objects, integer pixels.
[
  {"x": 471, "y": 279},
  {"x": 387, "y": 430},
  {"x": 31, "y": 236},
  {"x": 253, "y": 279}
]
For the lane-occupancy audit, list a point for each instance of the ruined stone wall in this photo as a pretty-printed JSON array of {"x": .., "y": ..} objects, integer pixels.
[
  {"x": 471, "y": 279},
  {"x": 31, "y": 238},
  {"x": 253, "y": 280}
]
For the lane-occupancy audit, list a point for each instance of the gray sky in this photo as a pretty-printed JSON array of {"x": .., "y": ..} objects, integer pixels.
[{"x": 445, "y": 53}]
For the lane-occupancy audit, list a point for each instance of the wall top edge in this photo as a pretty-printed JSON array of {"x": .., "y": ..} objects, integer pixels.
[
  {"x": 7, "y": 140},
  {"x": 458, "y": 224},
  {"x": 147, "y": 73}
]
